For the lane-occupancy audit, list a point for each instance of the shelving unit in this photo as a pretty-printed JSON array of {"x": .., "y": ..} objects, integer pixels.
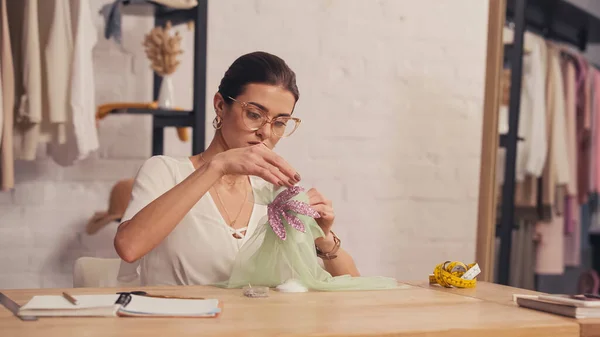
[
  {"x": 556, "y": 20},
  {"x": 195, "y": 118}
]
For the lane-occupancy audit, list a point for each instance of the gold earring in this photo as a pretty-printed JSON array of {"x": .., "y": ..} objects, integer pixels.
[{"x": 217, "y": 123}]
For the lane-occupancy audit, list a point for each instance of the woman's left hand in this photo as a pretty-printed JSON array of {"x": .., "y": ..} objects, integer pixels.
[{"x": 325, "y": 208}]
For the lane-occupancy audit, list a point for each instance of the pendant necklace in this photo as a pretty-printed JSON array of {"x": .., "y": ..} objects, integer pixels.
[{"x": 236, "y": 235}]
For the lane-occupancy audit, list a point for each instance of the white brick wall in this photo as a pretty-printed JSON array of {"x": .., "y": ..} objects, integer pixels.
[{"x": 391, "y": 98}]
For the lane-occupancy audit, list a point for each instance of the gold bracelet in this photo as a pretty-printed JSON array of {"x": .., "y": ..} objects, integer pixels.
[{"x": 332, "y": 254}]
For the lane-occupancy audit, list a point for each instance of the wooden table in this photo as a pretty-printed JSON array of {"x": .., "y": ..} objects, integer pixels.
[
  {"x": 501, "y": 294},
  {"x": 489, "y": 292},
  {"x": 403, "y": 312}
]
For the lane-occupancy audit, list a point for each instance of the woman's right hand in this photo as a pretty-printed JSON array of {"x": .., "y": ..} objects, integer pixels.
[{"x": 257, "y": 160}]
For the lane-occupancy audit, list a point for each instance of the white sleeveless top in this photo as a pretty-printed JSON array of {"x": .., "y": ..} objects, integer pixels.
[{"x": 201, "y": 249}]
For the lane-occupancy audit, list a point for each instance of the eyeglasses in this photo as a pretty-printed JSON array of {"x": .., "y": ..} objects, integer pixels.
[{"x": 255, "y": 118}]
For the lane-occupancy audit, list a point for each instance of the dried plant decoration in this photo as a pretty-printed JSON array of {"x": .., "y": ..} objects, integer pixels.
[{"x": 162, "y": 49}]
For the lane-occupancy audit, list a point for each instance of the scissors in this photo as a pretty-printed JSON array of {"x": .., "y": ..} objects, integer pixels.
[{"x": 143, "y": 293}]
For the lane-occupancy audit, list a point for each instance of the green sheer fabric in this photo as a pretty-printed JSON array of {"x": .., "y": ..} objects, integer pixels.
[{"x": 266, "y": 260}]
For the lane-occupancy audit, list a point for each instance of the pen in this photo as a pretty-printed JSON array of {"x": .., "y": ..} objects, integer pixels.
[
  {"x": 143, "y": 293},
  {"x": 69, "y": 298}
]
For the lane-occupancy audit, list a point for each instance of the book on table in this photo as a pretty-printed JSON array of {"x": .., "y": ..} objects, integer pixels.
[
  {"x": 576, "y": 306},
  {"x": 122, "y": 305}
]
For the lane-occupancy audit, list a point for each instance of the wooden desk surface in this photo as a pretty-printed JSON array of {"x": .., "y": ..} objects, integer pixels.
[
  {"x": 490, "y": 292},
  {"x": 501, "y": 294},
  {"x": 413, "y": 311}
]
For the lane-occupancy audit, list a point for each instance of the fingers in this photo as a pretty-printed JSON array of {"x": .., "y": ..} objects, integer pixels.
[
  {"x": 315, "y": 198},
  {"x": 282, "y": 165},
  {"x": 272, "y": 171},
  {"x": 325, "y": 211},
  {"x": 266, "y": 174}
]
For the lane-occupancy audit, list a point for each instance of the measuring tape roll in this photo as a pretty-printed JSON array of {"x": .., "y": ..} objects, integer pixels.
[{"x": 455, "y": 274}]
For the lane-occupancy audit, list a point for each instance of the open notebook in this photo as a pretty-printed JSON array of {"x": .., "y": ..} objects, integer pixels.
[
  {"x": 576, "y": 306},
  {"x": 120, "y": 305}
]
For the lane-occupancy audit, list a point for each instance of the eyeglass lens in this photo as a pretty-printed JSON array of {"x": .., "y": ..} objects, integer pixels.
[{"x": 255, "y": 119}]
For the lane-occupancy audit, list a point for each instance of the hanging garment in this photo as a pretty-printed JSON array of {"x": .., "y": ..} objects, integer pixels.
[
  {"x": 7, "y": 173},
  {"x": 112, "y": 17},
  {"x": 58, "y": 57},
  {"x": 582, "y": 92},
  {"x": 559, "y": 200},
  {"x": 595, "y": 203},
  {"x": 526, "y": 196},
  {"x": 83, "y": 89},
  {"x": 556, "y": 170},
  {"x": 548, "y": 180},
  {"x": 529, "y": 240},
  {"x": 572, "y": 240},
  {"x": 522, "y": 257},
  {"x": 584, "y": 136},
  {"x": 532, "y": 149},
  {"x": 112, "y": 14},
  {"x": 571, "y": 118},
  {"x": 82, "y": 135},
  {"x": 1, "y": 110},
  {"x": 516, "y": 256},
  {"x": 583, "y": 139},
  {"x": 550, "y": 259},
  {"x": 532, "y": 116},
  {"x": 29, "y": 112},
  {"x": 593, "y": 187},
  {"x": 596, "y": 129},
  {"x": 560, "y": 141},
  {"x": 559, "y": 144},
  {"x": 530, "y": 192},
  {"x": 550, "y": 231},
  {"x": 16, "y": 23}
]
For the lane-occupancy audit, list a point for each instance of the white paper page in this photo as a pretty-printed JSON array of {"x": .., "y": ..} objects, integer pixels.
[
  {"x": 171, "y": 306},
  {"x": 59, "y": 302}
]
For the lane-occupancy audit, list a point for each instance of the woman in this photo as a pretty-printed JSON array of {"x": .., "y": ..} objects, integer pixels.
[{"x": 188, "y": 217}]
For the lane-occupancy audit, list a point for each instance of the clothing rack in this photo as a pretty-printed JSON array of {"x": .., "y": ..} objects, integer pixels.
[
  {"x": 556, "y": 20},
  {"x": 162, "y": 118}
]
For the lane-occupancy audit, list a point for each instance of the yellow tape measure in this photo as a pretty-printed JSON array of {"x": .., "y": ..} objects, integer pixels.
[{"x": 455, "y": 274}]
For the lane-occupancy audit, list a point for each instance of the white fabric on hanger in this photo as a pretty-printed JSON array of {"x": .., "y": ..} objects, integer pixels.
[
  {"x": 559, "y": 127},
  {"x": 58, "y": 56},
  {"x": 81, "y": 133},
  {"x": 7, "y": 172},
  {"x": 83, "y": 103},
  {"x": 532, "y": 150},
  {"x": 29, "y": 112}
]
